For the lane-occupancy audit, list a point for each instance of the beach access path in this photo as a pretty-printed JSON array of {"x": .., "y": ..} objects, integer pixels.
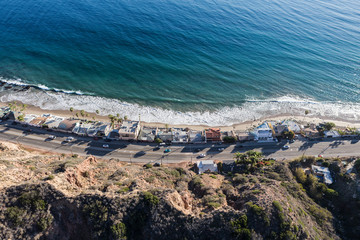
[{"x": 147, "y": 152}]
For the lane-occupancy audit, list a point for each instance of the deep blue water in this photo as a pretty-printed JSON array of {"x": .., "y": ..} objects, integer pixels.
[{"x": 185, "y": 55}]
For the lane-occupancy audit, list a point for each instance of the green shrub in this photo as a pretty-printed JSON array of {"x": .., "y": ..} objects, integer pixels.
[
  {"x": 229, "y": 139},
  {"x": 123, "y": 190},
  {"x": 97, "y": 212},
  {"x": 325, "y": 164},
  {"x": 75, "y": 156},
  {"x": 32, "y": 200},
  {"x": 15, "y": 215},
  {"x": 150, "y": 198},
  {"x": 239, "y": 178},
  {"x": 239, "y": 227},
  {"x": 213, "y": 176},
  {"x": 118, "y": 231},
  {"x": 44, "y": 222},
  {"x": 259, "y": 212},
  {"x": 213, "y": 205},
  {"x": 278, "y": 206},
  {"x": 158, "y": 140},
  {"x": 148, "y": 165},
  {"x": 50, "y": 177}
]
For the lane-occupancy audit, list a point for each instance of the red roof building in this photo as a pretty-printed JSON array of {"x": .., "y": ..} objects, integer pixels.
[{"x": 213, "y": 134}]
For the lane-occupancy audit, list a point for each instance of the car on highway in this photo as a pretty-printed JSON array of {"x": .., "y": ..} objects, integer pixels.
[
  {"x": 197, "y": 150},
  {"x": 221, "y": 149},
  {"x": 286, "y": 147},
  {"x": 51, "y": 137},
  {"x": 156, "y": 148},
  {"x": 68, "y": 139},
  {"x": 167, "y": 150},
  {"x": 202, "y": 155},
  {"x": 105, "y": 146}
]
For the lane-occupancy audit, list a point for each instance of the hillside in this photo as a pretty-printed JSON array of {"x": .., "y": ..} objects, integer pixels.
[{"x": 46, "y": 196}]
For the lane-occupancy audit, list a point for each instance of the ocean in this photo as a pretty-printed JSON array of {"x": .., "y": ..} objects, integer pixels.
[{"x": 183, "y": 62}]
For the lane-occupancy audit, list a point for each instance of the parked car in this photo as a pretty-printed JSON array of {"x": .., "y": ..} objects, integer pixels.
[
  {"x": 105, "y": 146},
  {"x": 157, "y": 164},
  {"x": 167, "y": 150},
  {"x": 69, "y": 139},
  {"x": 202, "y": 155},
  {"x": 197, "y": 150},
  {"x": 52, "y": 137},
  {"x": 156, "y": 148},
  {"x": 286, "y": 147},
  {"x": 221, "y": 149}
]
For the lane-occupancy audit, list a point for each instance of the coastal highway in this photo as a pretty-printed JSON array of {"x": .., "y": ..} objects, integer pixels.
[{"x": 147, "y": 152}]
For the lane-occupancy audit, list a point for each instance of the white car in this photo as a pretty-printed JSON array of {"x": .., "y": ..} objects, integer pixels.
[
  {"x": 52, "y": 137},
  {"x": 202, "y": 155},
  {"x": 105, "y": 146},
  {"x": 286, "y": 147},
  {"x": 221, "y": 149},
  {"x": 69, "y": 139}
]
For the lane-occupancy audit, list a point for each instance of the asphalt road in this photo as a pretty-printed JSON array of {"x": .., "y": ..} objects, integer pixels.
[{"x": 147, "y": 152}]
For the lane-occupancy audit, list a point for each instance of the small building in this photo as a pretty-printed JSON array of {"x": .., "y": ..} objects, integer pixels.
[
  {"x": 165, "y": 135},
  {"x": 82, "y": 128},
  {"x": 4, "y": 113},
  {"x": 196, "y": 136},
  {"x": 331, "y": 134},
  {"x": 67, "y": 124},
  {"x": 323, "y": 174},
  {"x": 38, "y": 121},
  {"x": 244, "y": 136},
  {"x": 291, "y": 125},
  {"x": 206, "y": 166},
  {"x": 53, "y": 121},
  {"x": 264, "y": 133},
  {"x": 129, "y": 130},
  {"x": 147, "y": 134},
  {"x": 311, "y": 133},
  {"x": 28, "y": 118},
  {"x": 213, "y": 135},
  {"x": 179, "y": 135}
]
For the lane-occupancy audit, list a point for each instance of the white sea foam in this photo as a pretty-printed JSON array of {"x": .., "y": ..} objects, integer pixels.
[{"x": 250, "y": 110}]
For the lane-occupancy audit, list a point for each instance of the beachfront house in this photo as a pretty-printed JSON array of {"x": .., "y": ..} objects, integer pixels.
[
  {"x": 206, "y": 166},
  {"x": 4, "y": 113},
  {"x": 244, "y": 136},
  {"x": 38, "y": 121},
  {"x": 98, "y": 129},
  {"x": 179, "y": 135},
  {"x": 196, "y": 136},
  {"x": 323, "y": 174},
  {"x": 129, "y": 130},
  {"x": 68, "y": 124},
  {"x": 291, "y": 125},
  {"x": 331, "y": 134},
  {"x": 165, "y": 135},
  {"x": 81, "y": 128},
  {"x": 28, "y": 118},
  {"x": 147, "y": 134},
  {"x": 53, "y": 121},
  {"x": 213, "y": 135},
  {"x": 264, "y": 133}
]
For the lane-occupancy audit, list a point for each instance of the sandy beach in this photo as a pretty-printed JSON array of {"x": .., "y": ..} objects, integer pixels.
[{"x": 242, "y": 126}]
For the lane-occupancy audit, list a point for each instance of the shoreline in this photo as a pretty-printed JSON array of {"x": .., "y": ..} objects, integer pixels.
[{"x": 241, "y": 126}]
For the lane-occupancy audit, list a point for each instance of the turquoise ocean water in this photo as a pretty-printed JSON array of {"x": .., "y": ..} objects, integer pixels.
[{"x": 197, "y": 62}]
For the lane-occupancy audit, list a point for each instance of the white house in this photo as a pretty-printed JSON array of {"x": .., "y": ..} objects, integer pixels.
[
  {"x": 129, "y": 130},
  {"x": 196, "y": 136},
  {"x": 331, "y": 134},
  {"x": 147, "y": 134},
  {"x": 323, "y": 174},
  {"x": 179, "y": 135},
  {"x": 206, "y": 166},
  {"x": 264, "y": 133}
]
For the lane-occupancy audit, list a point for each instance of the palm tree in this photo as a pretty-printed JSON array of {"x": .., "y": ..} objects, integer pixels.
[
  {"x": 77, "y": 115},
  {"x": 82, "y": 113},
  {"x": 97, "y": 111},
  {"x": 125, "y": 118},
  {"x": 112, "y": 120}
]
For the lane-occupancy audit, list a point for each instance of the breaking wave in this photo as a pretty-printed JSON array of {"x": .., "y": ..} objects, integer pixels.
[{"x": 252, "y": 109}]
